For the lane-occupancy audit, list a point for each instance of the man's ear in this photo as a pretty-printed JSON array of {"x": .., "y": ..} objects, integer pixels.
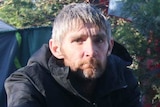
[
  {"x": 111, "y": 44},
  {"x": 55, "y": 49}
]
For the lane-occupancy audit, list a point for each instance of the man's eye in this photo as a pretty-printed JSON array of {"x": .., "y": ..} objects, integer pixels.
[
  {"x": 99, "y": 40},
  {"x": 79, "y": 40}
]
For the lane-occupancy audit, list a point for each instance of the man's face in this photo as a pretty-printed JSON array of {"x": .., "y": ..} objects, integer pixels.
[{"x": 84, "y": 50}]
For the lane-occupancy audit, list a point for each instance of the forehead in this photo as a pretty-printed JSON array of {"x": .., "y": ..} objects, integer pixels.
[{"x": 85, "y": 28}]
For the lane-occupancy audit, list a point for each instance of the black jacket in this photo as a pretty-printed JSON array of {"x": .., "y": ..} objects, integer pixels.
[{"x": 44, "y": 83}]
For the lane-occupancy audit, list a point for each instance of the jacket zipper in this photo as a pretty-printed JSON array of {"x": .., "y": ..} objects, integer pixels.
[
  {"x": 79, "y": 95},
  {"x": 94, "y": 105}
]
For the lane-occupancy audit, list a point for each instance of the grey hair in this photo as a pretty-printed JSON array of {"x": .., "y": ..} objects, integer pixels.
[{"x": 74, "y": 14}]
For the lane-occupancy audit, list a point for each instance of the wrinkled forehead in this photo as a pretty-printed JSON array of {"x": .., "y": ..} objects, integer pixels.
[
  {"x": 78, "y": 24},
  {"x": 84, "y": 30}
]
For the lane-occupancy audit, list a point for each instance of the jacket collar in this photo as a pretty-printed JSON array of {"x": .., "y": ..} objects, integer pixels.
[
  {"x": 60, "y": 74},
  {"x": 113, "y": 78}
]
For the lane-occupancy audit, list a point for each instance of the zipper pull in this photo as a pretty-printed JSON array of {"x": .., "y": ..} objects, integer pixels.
[{"x": 94, "y": 105}]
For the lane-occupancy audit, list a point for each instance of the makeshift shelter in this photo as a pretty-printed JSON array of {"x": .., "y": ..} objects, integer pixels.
[
  {"x": 15, "y": 49},
  {"x": 5, "y": 27}
]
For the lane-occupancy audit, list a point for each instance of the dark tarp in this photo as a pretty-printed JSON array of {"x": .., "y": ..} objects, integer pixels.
[
  {"x": 32, "y": 39},
  {"x": 8, "y": 48},
  {"x": 5, "y": 27},
  {"x": 15, "y": 49}
]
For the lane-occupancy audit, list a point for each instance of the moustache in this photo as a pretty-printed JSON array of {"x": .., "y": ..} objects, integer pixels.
[{"x": 90, "y": 63}]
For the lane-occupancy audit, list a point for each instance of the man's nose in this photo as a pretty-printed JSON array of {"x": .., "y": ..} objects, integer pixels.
[{"x": 90, "y": 49}]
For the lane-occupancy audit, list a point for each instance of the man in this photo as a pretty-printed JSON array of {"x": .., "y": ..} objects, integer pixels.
[{"x": 76, "y": 69}]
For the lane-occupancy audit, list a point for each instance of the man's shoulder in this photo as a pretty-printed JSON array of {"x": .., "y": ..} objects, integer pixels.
[
  {"x": 121, "y": 70},
  {"x": 33, "y": 74},
  {"x": 31, "y": 69},
  {"x": 114, "y": 59}
]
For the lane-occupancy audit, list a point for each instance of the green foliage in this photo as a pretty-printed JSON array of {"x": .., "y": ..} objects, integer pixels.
[
  {"x": 31, "y": 13},
  {"x": 142, "y": 38},
  {"x": 145, "y": 15},
  {"x": 126, "y": 34}
]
